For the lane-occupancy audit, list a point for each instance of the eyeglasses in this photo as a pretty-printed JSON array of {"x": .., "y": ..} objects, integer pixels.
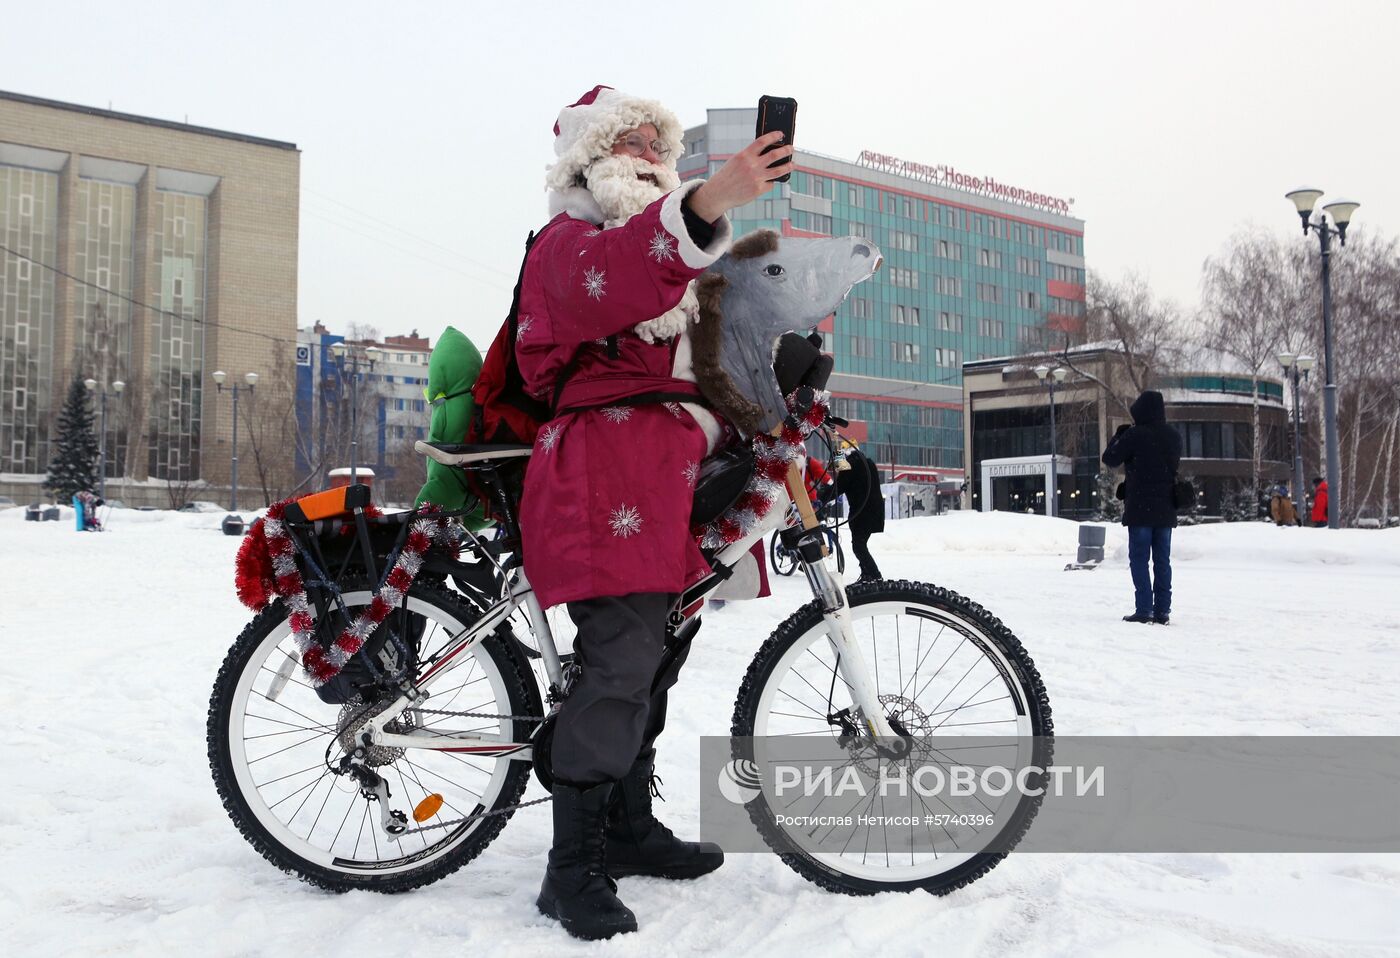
[{"x": 636, "y": 145}]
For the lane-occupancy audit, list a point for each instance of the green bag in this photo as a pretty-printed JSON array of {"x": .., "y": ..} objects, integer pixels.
[{"x": 452, "y": 371}]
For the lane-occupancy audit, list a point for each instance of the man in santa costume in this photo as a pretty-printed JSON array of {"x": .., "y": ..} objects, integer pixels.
[{"x": 605, "y": 303}]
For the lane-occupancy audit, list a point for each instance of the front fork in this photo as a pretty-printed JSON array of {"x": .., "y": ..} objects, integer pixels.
[{"x": 810, "y": 546}]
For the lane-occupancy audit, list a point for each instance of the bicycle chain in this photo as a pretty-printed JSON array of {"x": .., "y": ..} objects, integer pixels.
[{"x": 480, "y": 815}]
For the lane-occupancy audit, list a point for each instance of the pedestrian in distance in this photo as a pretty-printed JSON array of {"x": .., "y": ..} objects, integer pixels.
[
  {"x": 1319, "y": 503},
  {"x": 1281, "y": 507},
  {"x": 1149, "y": 450},
  {"x": 860, "y": 484}
]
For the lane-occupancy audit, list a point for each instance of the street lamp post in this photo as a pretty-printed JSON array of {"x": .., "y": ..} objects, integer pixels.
[
  {"x": 1050, "y": 377},
  {"x": 1305, "y": 198},
  {"x": 117, "y": 388},
  {"x": 252, "y": 380},
  {"x": 1297, "y": 369},
  {"x": 355, "y": 363}
]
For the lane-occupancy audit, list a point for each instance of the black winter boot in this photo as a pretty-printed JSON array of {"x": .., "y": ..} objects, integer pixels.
[
  {"x": 577, "y": 891},
  {"x": 640, "y": 845}
]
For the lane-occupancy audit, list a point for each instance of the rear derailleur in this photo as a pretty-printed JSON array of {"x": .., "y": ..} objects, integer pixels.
[{"x": 373, "y": 788}]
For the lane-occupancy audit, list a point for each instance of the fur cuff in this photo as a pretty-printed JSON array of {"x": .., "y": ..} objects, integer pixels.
[{"x": 673, "y": 219}]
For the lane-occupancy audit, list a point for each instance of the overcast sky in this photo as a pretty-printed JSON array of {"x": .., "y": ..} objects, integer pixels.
[{"x": 425, "y": 127}]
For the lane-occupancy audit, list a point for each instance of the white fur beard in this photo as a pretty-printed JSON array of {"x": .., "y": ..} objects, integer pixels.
[
  {"x": 620, "y": 194},
  {"x": 672, "y": 322}
]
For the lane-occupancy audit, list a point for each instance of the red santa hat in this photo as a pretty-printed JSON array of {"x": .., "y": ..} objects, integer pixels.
[{"x": 587, "y": 129}]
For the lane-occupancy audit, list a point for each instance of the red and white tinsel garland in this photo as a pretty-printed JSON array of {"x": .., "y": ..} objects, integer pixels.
[
  {"x": 768, "y": 484},
  {"x": 322, "y": 663}
]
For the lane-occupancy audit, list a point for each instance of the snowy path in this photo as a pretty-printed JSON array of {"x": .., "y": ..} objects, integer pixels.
[{"x": 114, "y": 841}]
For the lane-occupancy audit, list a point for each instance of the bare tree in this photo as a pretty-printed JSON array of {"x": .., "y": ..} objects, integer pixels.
[
  {"x": 1143, "y": 334},
  {"x": 1246, "y": 312}
]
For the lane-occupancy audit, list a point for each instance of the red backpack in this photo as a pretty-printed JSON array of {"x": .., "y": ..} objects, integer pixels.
[{"x": 504, "y": 412}]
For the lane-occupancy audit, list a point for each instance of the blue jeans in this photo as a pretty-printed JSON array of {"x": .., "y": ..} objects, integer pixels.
[{"x": 1152, "y": 598}]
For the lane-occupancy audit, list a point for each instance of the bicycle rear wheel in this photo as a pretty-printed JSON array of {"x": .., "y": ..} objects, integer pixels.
[
  {"x": 272, "y": 742},
  {"x": 941, "y": 665}
]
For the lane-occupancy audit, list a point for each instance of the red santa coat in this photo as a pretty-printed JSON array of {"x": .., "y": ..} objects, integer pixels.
[{"x": 608, "y": 491}]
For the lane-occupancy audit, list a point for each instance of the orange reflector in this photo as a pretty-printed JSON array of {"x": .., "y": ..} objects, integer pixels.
[{"x": 427, "y": 808}]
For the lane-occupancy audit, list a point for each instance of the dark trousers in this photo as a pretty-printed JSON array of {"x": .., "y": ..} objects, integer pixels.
[
  {"x": 860, "y": 546},
  {"x": 1153, "y": 593},
  {"x": 617, "y": 706}
]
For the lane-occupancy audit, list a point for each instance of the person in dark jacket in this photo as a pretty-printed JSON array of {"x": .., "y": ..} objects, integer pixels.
[
  {"x": 1150, "y": 452},
  {"x": 1319, "y": 503},
  {"x": 860, "y": 484}
]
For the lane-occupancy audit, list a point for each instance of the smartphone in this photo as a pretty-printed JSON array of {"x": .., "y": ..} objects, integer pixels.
[{"x": 777, "y": 113}]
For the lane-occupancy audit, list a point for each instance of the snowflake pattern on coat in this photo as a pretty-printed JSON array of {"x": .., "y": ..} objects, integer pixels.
[
  {"x": 625, "y": 521},
  {"x": 523, "y": 324},
  {"x": 595, "y": 282},
  {"x": 663, "y": 247},
  {"x": 549, "y": 435},
  {"x": 616, "y": 414},
  {"x": 674, "y": 408},
  {"x": 692, "y": 472}
]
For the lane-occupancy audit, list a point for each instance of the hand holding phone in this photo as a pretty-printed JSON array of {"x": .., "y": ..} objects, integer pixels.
[
  {"x": 778, "y": 113},
  {"x": 744, "y": 177}
]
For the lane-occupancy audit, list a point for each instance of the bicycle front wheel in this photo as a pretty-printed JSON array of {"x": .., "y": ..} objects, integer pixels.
[
  {"x": 273, "y": 741},
  {"x": 941, "y": 665}
]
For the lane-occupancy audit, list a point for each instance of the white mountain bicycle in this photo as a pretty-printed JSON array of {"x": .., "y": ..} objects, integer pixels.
[{"x": 409, "y": 765}]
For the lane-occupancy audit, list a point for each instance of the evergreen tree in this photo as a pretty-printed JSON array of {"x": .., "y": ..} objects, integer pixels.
[
  {"x": 1108, "y": 507},
  {"x": 74, "y": 466}
]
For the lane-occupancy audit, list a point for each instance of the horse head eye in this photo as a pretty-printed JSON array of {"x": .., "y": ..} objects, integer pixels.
[{"x": 773, "y": 269}]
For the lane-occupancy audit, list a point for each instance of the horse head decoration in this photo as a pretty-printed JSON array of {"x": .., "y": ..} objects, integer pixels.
[{"x": 762, "y": 288}]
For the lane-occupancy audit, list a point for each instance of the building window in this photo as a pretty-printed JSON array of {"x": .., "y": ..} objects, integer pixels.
[
  {"x": 989, "y": 257},
  {"x": 104, "y": 216},
  {"x": 991, "y": 327},
  {"x": 948, "y": 285},
  {"x": 950, "y": 218},
  {"x": 179, "y": 226},
  {"x": 860, "y": 308},
  {"x": 104, "y": 277},
  {"x": 907, "y": 278},
  {"x": 23, "y": 269},
  {"x": 950, "y": 322},
  {"x": 904, "y": 352},
  {"x": 913, "y": 315},
  {"x": 26, "y": 205},
  {"x": 853, "y": 195},
  {"x": 859, "y": 229},
  {"x": 989, "y": 292},
  {"x": 177, "y": 286},
  {"x": 909, "y": 208},
  {"x": 945, "y": 357}
]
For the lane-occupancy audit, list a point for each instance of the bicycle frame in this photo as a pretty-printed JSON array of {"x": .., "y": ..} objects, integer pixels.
[{"x": 826, "y": 587}]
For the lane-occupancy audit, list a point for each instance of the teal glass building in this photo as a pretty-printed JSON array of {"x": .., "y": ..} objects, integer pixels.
[{"x": 973, "y": 269}]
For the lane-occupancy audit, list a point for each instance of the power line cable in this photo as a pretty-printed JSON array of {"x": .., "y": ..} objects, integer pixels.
[
  {"x": 211, "y": 324},
  {"x": 408, "y": 233}
]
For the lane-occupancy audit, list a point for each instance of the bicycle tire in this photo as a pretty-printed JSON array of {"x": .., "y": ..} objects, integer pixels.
[
  {"x": 807, "y": 620},
  {"x": 458, "y": 846}
]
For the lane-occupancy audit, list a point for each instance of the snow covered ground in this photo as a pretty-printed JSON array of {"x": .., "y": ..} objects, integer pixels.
[{"x": 114, "y": 841}]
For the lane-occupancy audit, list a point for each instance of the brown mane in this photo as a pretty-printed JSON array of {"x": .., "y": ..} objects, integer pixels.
[{"x": 705, "y": 340}]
